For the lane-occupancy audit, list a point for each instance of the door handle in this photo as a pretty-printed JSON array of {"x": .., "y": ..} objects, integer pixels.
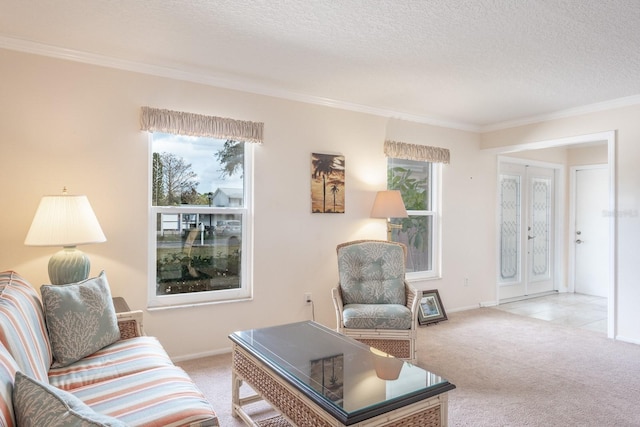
[{"x": 531, "y": 237}]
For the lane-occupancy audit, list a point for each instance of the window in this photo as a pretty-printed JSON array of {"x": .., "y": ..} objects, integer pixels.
[
  {"x": 415, "y": 172},
  {"x": 200, "y": 222}
]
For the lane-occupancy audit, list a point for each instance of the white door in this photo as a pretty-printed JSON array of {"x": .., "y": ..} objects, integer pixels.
[
  {"x": 591, "y": 231},
  {"x": 527, "y": 230}
]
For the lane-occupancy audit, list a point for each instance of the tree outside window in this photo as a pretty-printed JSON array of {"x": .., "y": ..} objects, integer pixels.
[
  {"x": 200, "y": 211},
  {"x": 416, "y": 182}
]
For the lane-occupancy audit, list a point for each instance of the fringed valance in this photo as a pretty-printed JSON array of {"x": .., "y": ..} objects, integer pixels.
[
  {"x": 190, "y": 124},
  {"x": 402, "y": 150}
]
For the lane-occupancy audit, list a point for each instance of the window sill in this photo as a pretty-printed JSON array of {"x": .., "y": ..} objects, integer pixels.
[
  {"x": 196, "y": 304},
  {"x": 421, "y": 278}
]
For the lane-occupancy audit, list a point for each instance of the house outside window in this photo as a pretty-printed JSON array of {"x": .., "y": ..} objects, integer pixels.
[
  {"x": 200, "y": 219},
  {"x": 415, "y": 171}
]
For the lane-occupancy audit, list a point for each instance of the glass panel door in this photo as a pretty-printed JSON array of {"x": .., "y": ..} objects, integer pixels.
[
  {"x": 510, "y": 223},
  {"x": 526, "y": 230},
  {"x": 540, "y": 230}
]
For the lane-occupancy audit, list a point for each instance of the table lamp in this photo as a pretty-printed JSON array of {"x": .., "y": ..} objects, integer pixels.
[
  {"x": 67, "y": 221},
  {"x": 388, "y": 204}
]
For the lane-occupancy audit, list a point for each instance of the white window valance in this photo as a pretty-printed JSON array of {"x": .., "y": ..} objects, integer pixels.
[
  {"x": 190, "y": 124},
  {"x": 424, "y": 153}
]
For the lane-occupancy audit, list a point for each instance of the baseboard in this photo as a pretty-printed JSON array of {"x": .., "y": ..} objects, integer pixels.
[
  {"x": 201, "y": 355},
  {"x": 489, "y": 304},
  {"x": 628, "y": 340},
  {"x": 467, "y": 308}
]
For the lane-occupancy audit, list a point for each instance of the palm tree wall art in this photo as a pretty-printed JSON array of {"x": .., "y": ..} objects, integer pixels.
[{"x": 327, "y": 183}]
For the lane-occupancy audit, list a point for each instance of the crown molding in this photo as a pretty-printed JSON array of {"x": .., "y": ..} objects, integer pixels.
[
  {"x": 210, "y": 80},
  {"x": 570, "y": 112}
]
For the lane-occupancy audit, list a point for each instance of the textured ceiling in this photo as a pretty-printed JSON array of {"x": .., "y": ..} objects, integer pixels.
[{"x": 476, "y": 64}]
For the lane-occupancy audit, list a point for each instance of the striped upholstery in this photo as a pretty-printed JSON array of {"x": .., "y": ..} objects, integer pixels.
[
  {"x": 132, "y": 379},
  {"x": 37, "y": 404},
  {"x": 8, "y": 370},
  {"x": 164, "y": 396},
  {"x": 120, "y": 358},
  {"x": 22, "y": 326}
]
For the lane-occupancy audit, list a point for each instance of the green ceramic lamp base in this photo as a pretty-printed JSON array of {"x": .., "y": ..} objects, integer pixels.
[{"x": 70, "y": 265}]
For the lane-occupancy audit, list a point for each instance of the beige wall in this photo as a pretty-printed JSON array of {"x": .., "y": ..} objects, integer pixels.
[
  {"x": 596, "y": 155},
  {"x": 624, "y": 121},
  {"x": 70, "y": 124}
]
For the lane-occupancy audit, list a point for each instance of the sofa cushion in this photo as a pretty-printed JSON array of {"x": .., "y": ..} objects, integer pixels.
[
  {"x": 8, "y": 369},
  {"x": 376, "y": 316},
  {"x": 22, "y": 326},
  {"x": 372, "y": 273},
  {"x": 121, "y": 358},
  {"x": 80, "y": 318},
  {"x": 37, "y": 404},
  {"x": 162, "y": 396}
]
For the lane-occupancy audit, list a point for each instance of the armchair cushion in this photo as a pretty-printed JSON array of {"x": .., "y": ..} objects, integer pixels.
[
  {"x": 377, "y": 316},
  {"x": 372, "y": 273},
  {"x": 80, "y": 318}
]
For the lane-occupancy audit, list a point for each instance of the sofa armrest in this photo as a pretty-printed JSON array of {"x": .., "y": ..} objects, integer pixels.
[{"x": 130, "y": 324}]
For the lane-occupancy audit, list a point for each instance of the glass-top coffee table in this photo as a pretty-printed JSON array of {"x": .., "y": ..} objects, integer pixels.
[{"x": 315, "y": 376}]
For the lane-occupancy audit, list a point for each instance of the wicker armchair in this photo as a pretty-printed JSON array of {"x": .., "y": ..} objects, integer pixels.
[{"x": 373, "y": 302}]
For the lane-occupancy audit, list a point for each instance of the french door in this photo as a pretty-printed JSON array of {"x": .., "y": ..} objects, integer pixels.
[{"x": 527, "y": 230}]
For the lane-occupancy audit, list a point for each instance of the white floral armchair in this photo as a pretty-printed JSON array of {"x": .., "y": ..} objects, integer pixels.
[{"x": 374, "y": 304}]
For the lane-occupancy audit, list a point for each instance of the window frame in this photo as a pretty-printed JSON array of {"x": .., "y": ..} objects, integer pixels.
[
  {"x": 435, "y": 214},
  {"x": 245, "y": 291}
]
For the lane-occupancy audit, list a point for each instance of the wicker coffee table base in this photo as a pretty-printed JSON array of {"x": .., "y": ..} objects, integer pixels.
[
  {"x": 397, "y": 348},
  {"x": 298, "y": 410},
  {"x": 278, "y": 421}
]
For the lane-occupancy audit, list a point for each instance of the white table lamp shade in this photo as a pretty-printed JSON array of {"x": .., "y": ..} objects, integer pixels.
[
  {"x": 67, "y": 221},
  {"x": 64, "y": 221},
  {"x": 388, "y": 204}
]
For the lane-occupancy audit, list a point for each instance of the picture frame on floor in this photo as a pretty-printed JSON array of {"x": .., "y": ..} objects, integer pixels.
[{"x": 430, "y": 308}]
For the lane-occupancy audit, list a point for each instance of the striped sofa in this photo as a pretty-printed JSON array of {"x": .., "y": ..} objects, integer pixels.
[{"x": 131, "y": 381}]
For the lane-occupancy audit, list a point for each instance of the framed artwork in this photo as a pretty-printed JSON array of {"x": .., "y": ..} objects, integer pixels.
[
  {"x": 327, "y": 183},
  {"x": 327, "y": 377},
  {"x": 430, "y": 309}
]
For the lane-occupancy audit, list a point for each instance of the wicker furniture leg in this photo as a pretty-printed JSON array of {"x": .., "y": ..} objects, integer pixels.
[{"x": 237, "y": 402}]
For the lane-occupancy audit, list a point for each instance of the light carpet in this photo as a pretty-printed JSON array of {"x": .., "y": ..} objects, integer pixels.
[{"x": 509, "y": 371}]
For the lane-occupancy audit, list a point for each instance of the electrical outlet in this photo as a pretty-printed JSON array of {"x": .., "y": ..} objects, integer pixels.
[
  {"x": 466, "y": 281},
  {"x": 307, "y": 297}
]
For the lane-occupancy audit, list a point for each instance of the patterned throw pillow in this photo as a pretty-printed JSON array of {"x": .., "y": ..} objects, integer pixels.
[
  {"x": 37, "y": 404},
  {"x": 80, "y": 318}
]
